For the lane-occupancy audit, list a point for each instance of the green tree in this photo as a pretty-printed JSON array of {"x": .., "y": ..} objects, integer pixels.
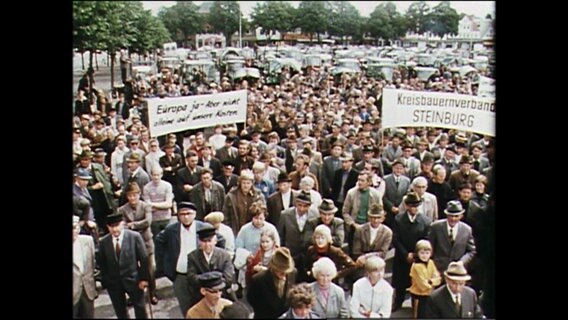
[
  {"x": 224, "y": 18},
  {"x": 417, "y": 16},
  {"x": 182, "y": 20},
  {"x": 345, "y": 20},
  {"x": 88, "y": 27},
  {"x": 273, "y": 16},
  {"x": 313, "y": 17},
  {"x": 150, "y": 33},
  {"x": 443, "y": 19},
  {"x": 386, "y": 22}
]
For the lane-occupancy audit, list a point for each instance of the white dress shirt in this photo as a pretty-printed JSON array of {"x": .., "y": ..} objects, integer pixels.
[
  {"x": 286, "y": 199},
  {"x": 188, "y": 243},
  {"x": 374, "y": 232},
  {"x": 454, "y": 231},
  {"x": 301, "y": 220}
]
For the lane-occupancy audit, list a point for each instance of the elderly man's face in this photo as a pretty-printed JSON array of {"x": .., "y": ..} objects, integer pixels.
[{"x": 456, "y": 286}]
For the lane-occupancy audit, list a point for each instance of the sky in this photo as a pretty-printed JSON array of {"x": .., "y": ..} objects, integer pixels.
[{"x": 477, "y": 8}]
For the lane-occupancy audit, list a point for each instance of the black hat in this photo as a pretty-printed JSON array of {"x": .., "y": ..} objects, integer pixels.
[
  {"x": 114, "y": 218},
  {"x": 412, "y": 198},
  {"x": 186, "y": 204},
  {"x": 211, "y": 280},
  {"x": 228, "y": 163},
  {"x": 283, "y": 177},
  {"x": 304, "y": 197},
  {"x": 368, "y": 148},
  {"x": 206, "y": 231}
]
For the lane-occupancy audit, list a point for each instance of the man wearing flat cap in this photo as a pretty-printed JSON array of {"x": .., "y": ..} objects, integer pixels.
[
  {"x": 135, "y": 173},
  {"x": 452, "y": 240},
  {"x": 464, "y": 174},
  {"x": 207, "y": 257},
  {"x": 123, "y": 261},
  {"x": 173, "y": 244},
  {"x": 454, "y": 299},
  {"x": 210, "y": 306}
]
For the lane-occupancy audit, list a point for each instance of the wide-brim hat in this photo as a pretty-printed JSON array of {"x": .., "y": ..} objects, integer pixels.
[
  {"x": 282, "y": 260},
  {"x": 456, "y": 271},
  {"x": 376, "y": 211},
  {"x": 304, "y": 197},
  {"x": 412, "y": 198},
  {"x": 283, "y": 177},
  {"x": 454, "y": 208},
  {"x": 327, "y": 206}
]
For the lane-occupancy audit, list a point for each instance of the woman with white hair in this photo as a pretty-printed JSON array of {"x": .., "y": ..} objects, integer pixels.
[
  {"x": 307, "y": 185},
  {"x": 330, "y": 298},
  {"x": 372, "y": 295},
  {"x": 323, "y": 247}
]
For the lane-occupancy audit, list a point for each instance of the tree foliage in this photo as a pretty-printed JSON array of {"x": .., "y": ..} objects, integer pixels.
[
  {"x": 224, "y": 18},
  {"x": 443, "y": 19},
  {"x": 273, "y": 16},
  {"x": 313, "y": 17},
  {"x": 182, "y": 20},
  {"x": 417, "y": 16},
  {"x": 345, "y": 20},
  {"x": 386, "y": 22}
]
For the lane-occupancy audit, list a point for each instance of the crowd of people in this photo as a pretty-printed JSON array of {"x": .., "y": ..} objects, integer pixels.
[{"x": 281, "y": 215}]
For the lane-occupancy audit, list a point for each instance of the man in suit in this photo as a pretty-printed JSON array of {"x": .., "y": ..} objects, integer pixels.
[
  {"x": 422, "y": 150},
  {"x": 302, "y": 170},
  {"x": 429, "y": 204},
  {"x": 208, "y": 161},
  {"x": 411, "y": 164},
  {"x": 368, "y": 154},
  {"x": 343, "y": 180},
  {"x": 327, "y": 211},
  {"x": 408, "y": 228},
  {"x": 331, "y": 164},
  {"x": 454, "y": 299},
  {"x": 124, "y": 267},
  {"x": 227, "y": 152},
  {"x": 207, "y": 195},
  {"x": 134, "y": 149},
  {"x": 207, "y": 257},
  {"x": 295, "y": 233},
  {"x": 372, "y": 238},
  {"x": 281, "y": 199},
  {"x": 272, "y": 285},
  {"x": 396, "y": 187},
  {"x": 210, "y": 307},
  {"x": 452, "y": 240},
  {"x": 448, "y": 161},
  {"x": 171, "y": 162},
  {"x": 188, "y": 176},
  {"x": 84, "y": 289},
  {"x": 138, "y": 217},
  {"x": 135, "y": 173},
  {"x": 464, "y": 174},
  {"x": 479, "y": 162},
  {"x": 393, "y": 150},
  {"x": 100, "y": 189},
  {"x": 173, "y": 244},
  {"x": 227, "y": 178}
]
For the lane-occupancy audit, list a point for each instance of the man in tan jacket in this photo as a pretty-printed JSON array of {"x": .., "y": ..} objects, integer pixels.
[
  {"x": 211, "y": 305},
  {"x": 84, "y": 290}
]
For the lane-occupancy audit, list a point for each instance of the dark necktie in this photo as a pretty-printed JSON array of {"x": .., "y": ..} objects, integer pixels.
[
  {"x": 451, "y": 236},
  {"x": 458, "y": 304},
  {"x": 396, "y": 182},
  {"x": 476, "y": 165},
  {"x": 117, "y": 248}
]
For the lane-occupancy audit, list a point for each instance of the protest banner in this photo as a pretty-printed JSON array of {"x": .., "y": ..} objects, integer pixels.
[
  {"x": 404, "y": 108},
  {"x": 167, "y": 115}
]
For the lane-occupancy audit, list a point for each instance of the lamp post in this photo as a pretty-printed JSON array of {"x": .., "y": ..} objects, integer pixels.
[{"x": 240, "y": 31}]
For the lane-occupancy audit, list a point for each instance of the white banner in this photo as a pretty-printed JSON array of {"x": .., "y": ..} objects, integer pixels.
[
  {"x": 181, "y": 113},
  {"x": 404, "y": 108},
  {"x": 486, "y": 87}
]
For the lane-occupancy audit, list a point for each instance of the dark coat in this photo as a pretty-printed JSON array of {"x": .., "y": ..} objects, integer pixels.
[
  {"x": 275, "y": 206},
  {"x": 262, "y": 290},
  {"x": 441, "y": 305}
]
